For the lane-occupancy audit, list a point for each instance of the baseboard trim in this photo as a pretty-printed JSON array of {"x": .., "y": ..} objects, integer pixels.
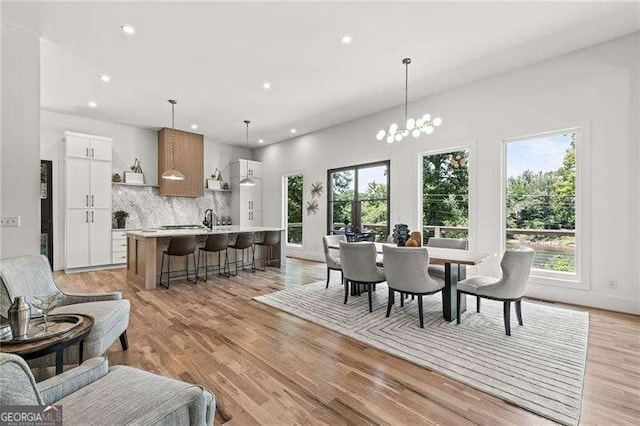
[
  {"x": 95, "y": 268},
  {"x": 584, "y": 298}
]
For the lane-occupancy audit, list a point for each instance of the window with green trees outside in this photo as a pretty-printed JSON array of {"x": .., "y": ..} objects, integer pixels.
[
  {"x": 541, "y": 199},
  {"x": 294, "y": 209}
]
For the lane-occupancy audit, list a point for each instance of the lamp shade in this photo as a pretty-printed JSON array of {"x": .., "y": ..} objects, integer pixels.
[
  {"x": 172, "y": 175},
  {"x": 247, "y": 182}
]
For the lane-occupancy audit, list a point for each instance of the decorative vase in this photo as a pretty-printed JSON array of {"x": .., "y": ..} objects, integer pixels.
[
  {"x": 121, "y": 222},
  {"x": 19, "y": 315}
]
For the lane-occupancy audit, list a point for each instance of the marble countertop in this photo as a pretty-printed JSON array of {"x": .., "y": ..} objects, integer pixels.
[{"x": 228, "y": 229}]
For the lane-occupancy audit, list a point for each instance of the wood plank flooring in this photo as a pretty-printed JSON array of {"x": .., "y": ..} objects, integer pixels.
[{"x": 268, "y": 367}]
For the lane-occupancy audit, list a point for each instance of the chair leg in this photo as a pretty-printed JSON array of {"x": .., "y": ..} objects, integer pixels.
[
  {"x": 519, "y": 311},
  {"x": 370, "y": 303},
  {"x": 390, "y": 301},
  {"x": 420, "y": 311},
  {"x": 401, "y": 299},
  {"x": 507, "y": 317},
  {"x": 478, "y": 304},
  {"x": 346, "y": 291},
  {"x": 195, "y": 280},
  {"x": 328, "y": 276},
  {"x": 458, "y": 297},
  {"x": 123, "y": 341}
]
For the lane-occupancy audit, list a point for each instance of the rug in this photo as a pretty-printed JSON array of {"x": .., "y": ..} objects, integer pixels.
[{"x": 539, "y": 368}]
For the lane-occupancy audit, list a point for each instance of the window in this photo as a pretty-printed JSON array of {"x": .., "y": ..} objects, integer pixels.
[
  {"x": 294, "y": 209},
  {"x": 445, "y": 195},
  {"x": 540, "y": 199},
  {"x": 359, "y": 201}
]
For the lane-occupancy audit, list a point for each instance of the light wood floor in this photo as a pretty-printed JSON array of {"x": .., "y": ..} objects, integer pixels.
[{"x": 269, "y": 367}]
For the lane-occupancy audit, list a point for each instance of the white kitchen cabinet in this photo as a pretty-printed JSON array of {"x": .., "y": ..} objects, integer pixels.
[
  {"x": 246, "y": 201},
  {"x": 118, "y": 246},
  {"x": 87, "y": 201}
]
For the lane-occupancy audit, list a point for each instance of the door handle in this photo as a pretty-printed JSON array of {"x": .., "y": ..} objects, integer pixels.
[
  {"x": 92, "y": 217},
  {"x": 92, "y": 200},
  {"x": 92, "y": 152},
  {"x": 86, "y": 200},
  {"x": 87, "y": 218}
]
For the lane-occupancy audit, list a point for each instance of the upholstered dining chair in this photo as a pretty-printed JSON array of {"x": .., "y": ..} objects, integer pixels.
[
  {"x": 437, "y": 271},
  {"x": 407, "y": 272},
  {"x": 516, "y": 267},
  {"x": 333, "y": 261},
  {"x": 31, "y": 276},
  {"x": 359, "y": 268}
]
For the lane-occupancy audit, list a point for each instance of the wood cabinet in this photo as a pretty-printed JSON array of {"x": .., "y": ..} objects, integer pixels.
[
  {"x": 188, "y": 159},
  {"x": 246, "y": 201},
  {"x": 87, "y": 200}
]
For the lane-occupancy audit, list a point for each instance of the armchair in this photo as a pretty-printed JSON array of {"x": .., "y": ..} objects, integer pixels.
[
  {"x": 31, "y": 275},
  {"x": 96, "y": 394}
]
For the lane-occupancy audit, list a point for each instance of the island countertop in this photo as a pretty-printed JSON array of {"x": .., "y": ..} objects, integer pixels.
[{"x": 227, "y": 229}]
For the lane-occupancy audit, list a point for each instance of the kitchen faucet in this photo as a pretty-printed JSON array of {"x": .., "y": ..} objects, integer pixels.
[{"x": 208, "y": 218}]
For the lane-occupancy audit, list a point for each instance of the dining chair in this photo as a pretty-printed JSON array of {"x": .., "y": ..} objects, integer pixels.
[
  {"x": 516, "y": 267},
  {"x": 407, "y": 271},
  {"x": 437, "y": 271},
  {"x": 359, "y": 268},
  {"x": 333, "y": 261},
  {"x": 216, "y": 243},
  {"x": 244, "y": 240},
  {"x": 179, "y": 246}
]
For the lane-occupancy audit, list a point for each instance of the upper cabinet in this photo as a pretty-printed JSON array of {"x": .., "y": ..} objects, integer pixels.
[
  {"x": 243, "y": 168},
  {"x": 188, "y": 159}
]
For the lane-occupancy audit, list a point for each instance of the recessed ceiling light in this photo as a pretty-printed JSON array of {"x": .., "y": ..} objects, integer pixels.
[
  {"x": 128, "y": 29},
  {"x": 260, "y": 140},
  {"x": 105, "y": 78},
  {"x": 194, "y": 126},
  {"x": 266, "y": 85},
  {"x": 346, "y": 39},
  {"x": 292, "y": 130},
  {"x": 92, "y": 104}
]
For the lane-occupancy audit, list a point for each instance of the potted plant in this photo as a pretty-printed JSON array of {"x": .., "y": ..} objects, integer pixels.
[{"x": 121, "y": 218}]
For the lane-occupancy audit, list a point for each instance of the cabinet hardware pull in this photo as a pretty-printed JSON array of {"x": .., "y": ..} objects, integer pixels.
[
  {"x": 86, "y": 200},
  {"x": 87, "y": 152},
  {"x": 92, "y": 152},
  {"x": 87, "y": 218},
  {"x": 91, "y": 200},
  {"x": 92, "y": 217}
]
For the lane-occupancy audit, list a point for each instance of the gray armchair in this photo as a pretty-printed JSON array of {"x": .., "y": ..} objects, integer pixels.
[
  {"x": 359, "y": 268},
  {"x": 31, "y": 275},
  {"x": 333, "y": 261},
  {"x": 437, "y": 271},
  {"x": 95, "y": 394},
  {"x": 407, "y": 271},
  {"x": 516, "y": 267}
]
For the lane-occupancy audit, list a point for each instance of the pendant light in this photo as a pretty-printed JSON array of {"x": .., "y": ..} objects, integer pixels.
[
  {"x": 247, "y": 181},
  {"x": 172, "y": 173},
  {"x": 414, "y": 127}
]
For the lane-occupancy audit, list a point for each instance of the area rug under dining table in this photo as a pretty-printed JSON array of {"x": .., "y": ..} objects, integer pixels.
[{"x": 539, "y": 368}]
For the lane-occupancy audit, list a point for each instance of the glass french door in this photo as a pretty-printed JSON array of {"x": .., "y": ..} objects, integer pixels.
[{"x": 358, "y": 200}]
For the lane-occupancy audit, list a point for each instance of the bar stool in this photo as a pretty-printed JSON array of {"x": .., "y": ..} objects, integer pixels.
[
  {"x": 179, "y": 246},
  {"x": 244, "y": 241},
  {"x": 271, "y": 239},
  {"x": 216, "y": 243}
]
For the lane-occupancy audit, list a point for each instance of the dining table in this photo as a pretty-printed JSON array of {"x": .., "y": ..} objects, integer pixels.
[{"x": 455, "y": 263}]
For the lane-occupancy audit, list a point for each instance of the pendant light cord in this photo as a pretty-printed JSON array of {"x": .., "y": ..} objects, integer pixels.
[{"x": 406, "y": 90}]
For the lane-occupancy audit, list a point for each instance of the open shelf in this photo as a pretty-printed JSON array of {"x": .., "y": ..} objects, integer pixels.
[
  {"x": 217, "y": 190},
  {"x": 144, "y": 185}
]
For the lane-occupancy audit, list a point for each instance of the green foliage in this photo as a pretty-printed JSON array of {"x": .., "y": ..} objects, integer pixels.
[
  {"x": 294, "y": 207},
  {"x": 559, "y": 263}
]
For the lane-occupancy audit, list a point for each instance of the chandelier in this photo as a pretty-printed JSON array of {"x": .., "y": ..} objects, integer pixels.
[{"x": 413, "y": 127}]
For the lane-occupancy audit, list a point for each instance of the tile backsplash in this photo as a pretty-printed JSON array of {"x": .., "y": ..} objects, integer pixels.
[{"x": 147, "y": 209}]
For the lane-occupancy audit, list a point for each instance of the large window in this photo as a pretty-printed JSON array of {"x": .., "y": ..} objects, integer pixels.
[
  {"x": 445, "y": 195},
  {"x": 540, "y": 199},
  {"x": 294, "y": 209},
  {"x": 359, "y": 202}
]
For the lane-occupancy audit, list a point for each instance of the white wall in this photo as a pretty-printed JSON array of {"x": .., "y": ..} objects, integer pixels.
[
  {"x": 596, "y": 88},
  {"x": 20, "y": 141},
  {"x": 128, "y": 143}
]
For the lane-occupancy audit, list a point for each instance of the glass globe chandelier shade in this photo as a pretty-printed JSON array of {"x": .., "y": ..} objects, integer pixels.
[
  {"x": 413, "y": 127},
  {"x": 173, "y": 173},
  {"x": 247, "y": 181}
]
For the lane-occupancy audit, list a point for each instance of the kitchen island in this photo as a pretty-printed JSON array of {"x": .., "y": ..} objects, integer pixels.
[{"x": 145, "y": 247}]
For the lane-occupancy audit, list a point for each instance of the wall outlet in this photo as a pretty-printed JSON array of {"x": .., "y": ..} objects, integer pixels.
[
  {"x": 613, "y": 284},
  {"x": 10, "y": 221}
]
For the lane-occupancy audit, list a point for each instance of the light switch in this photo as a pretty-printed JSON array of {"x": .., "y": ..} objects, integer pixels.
[{"x": 10, "y": 221}]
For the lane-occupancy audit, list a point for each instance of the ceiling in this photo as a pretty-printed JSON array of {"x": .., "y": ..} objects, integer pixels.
[{"x": 214, "y": 57}]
